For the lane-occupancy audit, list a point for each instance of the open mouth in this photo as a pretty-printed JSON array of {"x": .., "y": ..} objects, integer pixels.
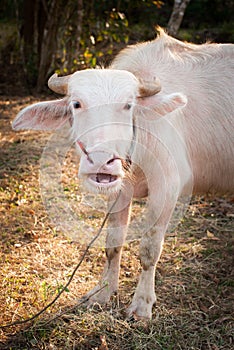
[{"x": 103, "y": 179}]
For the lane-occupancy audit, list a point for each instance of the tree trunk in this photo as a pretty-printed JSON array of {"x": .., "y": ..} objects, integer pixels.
[
  {"x": 27, "y": 49},
  {"x": 28, "y": 27},
  {"x": 177, "y": 16},
  {"x": 48, "y": 42}
]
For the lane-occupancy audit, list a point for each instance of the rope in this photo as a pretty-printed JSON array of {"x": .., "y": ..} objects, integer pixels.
[{"x": 32, "y": 318}]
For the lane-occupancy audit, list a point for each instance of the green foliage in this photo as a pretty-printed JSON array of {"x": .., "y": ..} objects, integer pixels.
[
  {"x": 104, "y": 36},
  {"x": 104, "y": 28},
  {"x": 97, "y": 43}
]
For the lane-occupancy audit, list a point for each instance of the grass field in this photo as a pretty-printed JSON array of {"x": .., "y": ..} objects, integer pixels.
[{"x": 194, "y": 279}]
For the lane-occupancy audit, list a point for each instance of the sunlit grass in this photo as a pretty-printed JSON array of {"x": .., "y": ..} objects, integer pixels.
[{"x": 194, "y": 278}]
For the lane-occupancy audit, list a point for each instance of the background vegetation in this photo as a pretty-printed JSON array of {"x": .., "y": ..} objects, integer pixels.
[{"x": 38, "y": 37}]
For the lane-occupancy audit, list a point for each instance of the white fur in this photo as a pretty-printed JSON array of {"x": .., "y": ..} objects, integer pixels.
[{"x": 184, "y": 139}]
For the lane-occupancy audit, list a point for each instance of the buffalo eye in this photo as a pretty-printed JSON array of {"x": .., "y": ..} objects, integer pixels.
[
  {"x": 127, "y": 106},
  {"x": 76, "y": 104}
]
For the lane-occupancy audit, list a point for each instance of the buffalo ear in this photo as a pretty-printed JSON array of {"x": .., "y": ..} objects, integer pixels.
[
  {"x": 48, "y": 115},
  {"x": 162, "y": 103}
]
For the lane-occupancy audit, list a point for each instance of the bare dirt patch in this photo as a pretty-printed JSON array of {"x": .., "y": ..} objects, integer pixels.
[{"x": 194, "y": 281}]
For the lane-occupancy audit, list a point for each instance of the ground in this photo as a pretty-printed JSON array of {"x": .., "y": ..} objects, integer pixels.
[{"x": 194, "y": 280}]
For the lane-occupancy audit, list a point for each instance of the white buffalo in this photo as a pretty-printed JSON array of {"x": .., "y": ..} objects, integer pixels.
[{"x": 159, "y": 122}]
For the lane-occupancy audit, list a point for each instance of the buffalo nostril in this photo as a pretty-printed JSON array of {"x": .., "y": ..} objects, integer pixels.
[{"x": 112, "y": 160}]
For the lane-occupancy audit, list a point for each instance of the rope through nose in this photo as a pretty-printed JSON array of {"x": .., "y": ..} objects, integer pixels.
[{"x": 84, "y": 150}]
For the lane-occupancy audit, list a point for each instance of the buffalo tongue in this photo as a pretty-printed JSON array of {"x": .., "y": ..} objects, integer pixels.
[{"x": 105, "y": 178}]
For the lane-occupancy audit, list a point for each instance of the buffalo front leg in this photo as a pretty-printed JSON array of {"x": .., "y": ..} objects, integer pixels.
[
  {"x": 116, "y": 233},
  {"x": 144, "y": 297},
  {"x": 150, "y": 250}
]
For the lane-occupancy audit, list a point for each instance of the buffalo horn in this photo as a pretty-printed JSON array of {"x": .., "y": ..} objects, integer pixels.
[
  {"x": 59, "y": 84},
  {"x": 149, "y": 87}
]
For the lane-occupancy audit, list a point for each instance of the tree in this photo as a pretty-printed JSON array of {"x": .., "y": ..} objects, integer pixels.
[
  {"x": 49, "y": 40},
  {"x": 68, "y": 35},
  {"x": 39, "y": 24},
  {"x": 177, "y": 16}
]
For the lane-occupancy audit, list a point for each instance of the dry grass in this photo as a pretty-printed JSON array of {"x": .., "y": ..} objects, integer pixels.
[{"x": 194, "y": 277}]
